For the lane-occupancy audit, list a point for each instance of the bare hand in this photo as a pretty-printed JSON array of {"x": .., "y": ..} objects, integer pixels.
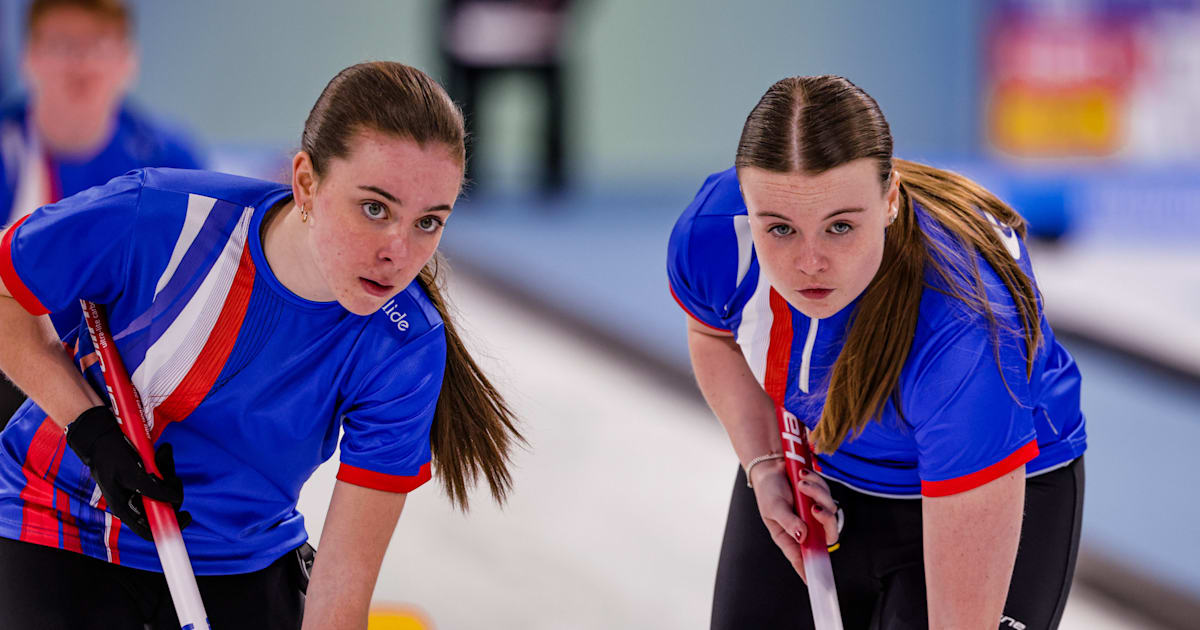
[{"x": 773, "y": 493}]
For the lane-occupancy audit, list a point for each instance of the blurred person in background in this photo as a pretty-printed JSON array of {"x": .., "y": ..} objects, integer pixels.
[
  {"x": 891, "y": 307},
  {"x": 74, "y": 129},
  {"x": 485, "y": 39},
  {"x": 260, "y": 323}
]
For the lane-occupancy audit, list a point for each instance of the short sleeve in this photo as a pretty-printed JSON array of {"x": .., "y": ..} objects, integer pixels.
[
  {"x": 706, "y": 251},
  {"x": 385, "y": 445},
  {"x": 75, "y": 249},
  {"x": 970, "y": 424}
]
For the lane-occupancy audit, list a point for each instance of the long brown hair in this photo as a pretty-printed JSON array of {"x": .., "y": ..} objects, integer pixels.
[
  {"x": 813, "y": 124},
  {"x": 473, "y": 428}
]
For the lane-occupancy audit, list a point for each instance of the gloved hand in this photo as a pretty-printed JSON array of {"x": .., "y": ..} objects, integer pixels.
[{"x": 118, "y": 470}]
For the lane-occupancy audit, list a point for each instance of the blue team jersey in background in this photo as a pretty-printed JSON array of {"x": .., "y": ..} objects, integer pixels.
[
  {"x": 961, "y": 425},
  {"x": 31, "y": 176},
  {"x": 251, "y": 384}
]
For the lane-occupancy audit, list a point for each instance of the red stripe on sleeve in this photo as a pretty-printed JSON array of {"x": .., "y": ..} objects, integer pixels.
[
  {"x": 956, "y": 485},
  {"x": 381, "y": 481},
  {"x": 12, "y": 281},
  {"x": 691, "y": 314}
]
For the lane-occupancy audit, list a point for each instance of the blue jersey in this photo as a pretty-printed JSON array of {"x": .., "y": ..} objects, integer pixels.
[
  {"x": 251, "y": 384},
  {"x": 969, "y": 413},
  {"x": 31, "y": 176}
]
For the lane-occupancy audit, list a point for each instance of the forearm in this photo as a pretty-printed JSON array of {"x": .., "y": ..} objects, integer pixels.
[
  {"x": 970, "y": 547},
  {"x": 734, "y": 395},
  {"x": 355, "y": 537},
  {"x": 33, "y": 358}
]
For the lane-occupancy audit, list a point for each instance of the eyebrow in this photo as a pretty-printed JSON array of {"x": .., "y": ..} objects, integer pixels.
[
  {"x": 392, "y": 198},
  {"x": 828, "y": 216}
]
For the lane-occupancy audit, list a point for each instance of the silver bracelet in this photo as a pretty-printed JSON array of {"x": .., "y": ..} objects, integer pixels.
[{"x": 758, "y": 460}]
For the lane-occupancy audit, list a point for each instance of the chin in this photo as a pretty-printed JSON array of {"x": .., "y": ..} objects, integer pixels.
[{"x": 361, "y": 304}]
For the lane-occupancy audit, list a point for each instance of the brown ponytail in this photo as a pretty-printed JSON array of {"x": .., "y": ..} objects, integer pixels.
[
  {"x": 813, "y": 124},
  {"x": 473, "y": 429}
]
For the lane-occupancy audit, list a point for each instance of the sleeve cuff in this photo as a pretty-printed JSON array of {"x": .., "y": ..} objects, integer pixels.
[
  {"x": 956, "y": 485},
  {"x": 383, "y": 481},
  {"x": 691, "y": 314},
  {"x": 12, "y": 281}
]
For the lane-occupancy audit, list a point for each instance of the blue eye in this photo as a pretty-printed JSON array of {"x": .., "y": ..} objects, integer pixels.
[
  {"x": 429, "y": 223},
  {"x": 841, "y": 227},
  {"x": 780, "y": 230},
  {"x": 374, "y": 210}
]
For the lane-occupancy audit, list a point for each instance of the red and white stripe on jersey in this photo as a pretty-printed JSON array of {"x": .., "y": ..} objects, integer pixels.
[
  {"x": 182, "y": 365},
  {"x": 753, "y": 333}
]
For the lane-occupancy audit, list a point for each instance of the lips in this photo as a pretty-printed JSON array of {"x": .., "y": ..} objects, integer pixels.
[
  {"x": 816, "y": 294},
  {"x": 377, "y": 289}
]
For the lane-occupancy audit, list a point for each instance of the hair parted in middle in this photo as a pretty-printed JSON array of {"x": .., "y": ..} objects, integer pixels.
[{"x": 813, "y": 124}]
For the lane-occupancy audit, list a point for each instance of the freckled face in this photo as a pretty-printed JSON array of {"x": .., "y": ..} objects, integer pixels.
[
  {"x": 819, "y": 238},
  {"x": 377, "y": 217}
]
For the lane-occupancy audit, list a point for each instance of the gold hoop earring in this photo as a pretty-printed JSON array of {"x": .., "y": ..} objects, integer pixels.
[{"x": 303, "y": 215}]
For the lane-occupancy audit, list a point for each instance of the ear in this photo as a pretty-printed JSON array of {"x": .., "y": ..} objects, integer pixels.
[
  {"x": 304, "y": 180},
  {"x": 893, "y": 193}
]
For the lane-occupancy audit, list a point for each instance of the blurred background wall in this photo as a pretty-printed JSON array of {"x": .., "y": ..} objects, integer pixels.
[{"x": 657, "y": 89}]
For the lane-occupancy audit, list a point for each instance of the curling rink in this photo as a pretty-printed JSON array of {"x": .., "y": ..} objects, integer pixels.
[{"x": 618, "y": 505}]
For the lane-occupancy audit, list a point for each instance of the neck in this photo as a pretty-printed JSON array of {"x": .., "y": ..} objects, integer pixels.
[
  {"x": 72, "y": 132},
  {"x": 285, "y": 246}
]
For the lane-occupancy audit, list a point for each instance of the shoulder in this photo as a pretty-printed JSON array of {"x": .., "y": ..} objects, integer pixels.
[
  {"x": 715, "y": 206},
  {"x": 953, "y": 336},
  {"x": 410, "y": 314},
  {"x": 710, "y": 253},
  {"x": 235, "y": 189},
  {"x": 407, "y": 323},
  {"x": 400, "y": 349},
  {"x": 951, "y": 268}
]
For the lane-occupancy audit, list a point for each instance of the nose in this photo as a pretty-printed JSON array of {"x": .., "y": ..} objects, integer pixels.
[
  {"x": 394, "y": 249},
  {"x": 810, "y": 258}
]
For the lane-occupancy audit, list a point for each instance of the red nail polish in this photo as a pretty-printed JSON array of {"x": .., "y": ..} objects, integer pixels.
[{"x": 817, "y": 508}]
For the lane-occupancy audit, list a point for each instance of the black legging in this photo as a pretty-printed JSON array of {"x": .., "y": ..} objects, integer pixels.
[
  {"x": 10, "y": 399},
  {"x": 879, "y": 569},
  {"x": 52, "y": 589}
]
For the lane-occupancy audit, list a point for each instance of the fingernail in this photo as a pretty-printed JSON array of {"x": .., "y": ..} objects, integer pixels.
[
  {"x": 803, "y": 472},
  {"x": 797, "y": 535},
  {"x": 817, "y": 508}
]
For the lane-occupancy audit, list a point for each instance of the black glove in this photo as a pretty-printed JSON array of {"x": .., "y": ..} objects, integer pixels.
[{"x": 96, "y": 437}]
